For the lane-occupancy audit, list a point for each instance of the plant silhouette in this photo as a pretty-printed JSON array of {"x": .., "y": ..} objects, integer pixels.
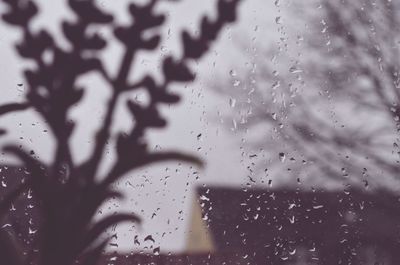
[{"x": 69, "y": 194}]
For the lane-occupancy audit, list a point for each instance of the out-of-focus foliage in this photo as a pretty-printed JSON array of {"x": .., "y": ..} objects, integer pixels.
[{"x": 324, "y": 106}]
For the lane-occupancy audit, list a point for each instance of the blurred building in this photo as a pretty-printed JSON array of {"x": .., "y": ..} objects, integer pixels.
[
  {"x": 253, "y": 226},
  {"x": 296, "y": 227}
]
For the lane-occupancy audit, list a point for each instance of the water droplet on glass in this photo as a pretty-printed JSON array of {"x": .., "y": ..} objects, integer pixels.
[
  {"x": 205, "y": 217},
  {"x": 156, "y": 251},
  {"x": 276, "y": 85},
  {"x": 204, "y": 198},
  {"x": 232, "y": 102},
  {"x": 295, "y": 70},
  {"x": 149, "y": 238},
  {"x": 32, "y": 231},
  {"x": 282, "y": 157},
  {"x": 234, "y": 122},
  {"x": 136, "y": 241},
  {"x": 291, "y": 220}
]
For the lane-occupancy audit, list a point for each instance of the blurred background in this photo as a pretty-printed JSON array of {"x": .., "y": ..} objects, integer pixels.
[{"x": 296, "y": 107}]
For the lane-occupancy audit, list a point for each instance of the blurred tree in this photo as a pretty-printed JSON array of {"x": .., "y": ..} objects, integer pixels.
[
  {"x": 68, "y": 194},
  {"x": 326, "y": 106}
]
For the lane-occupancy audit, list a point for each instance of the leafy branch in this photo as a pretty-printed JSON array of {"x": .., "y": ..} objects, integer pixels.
[{"x": 69, "y": 194}]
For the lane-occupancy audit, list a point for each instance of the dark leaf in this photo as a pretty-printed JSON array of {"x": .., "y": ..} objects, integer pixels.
[
  {"x": 144, "y": 17},
  {"x": 124, "y": 35},
  {"x": 105, "y": 223},
  {"x": 146, "y": 117},
  {"x": 193, "y": 48},
  {"x": 208, "y": 29},
  {"x": 22, "y": 15},
  {"x": 92, "y": 256},
  {"x": 159, "y": 94},
  {"x": 73, "y": 32},
  {"x": 89, "y": 12},
  {"x": 167, "y": 98},
  {"x": 37, "y": 45},
  {"x": 94, "y": 43},
  {"x": 76, "y": 96},
  {"x": 170, "y": 155},
  {"x": 176, "y": 71},
  {"x": 151, "y": 43},
  {"x": 227, "y": 10},
  {"x": 89, "y": 65},
  {"x": 12, "y": 107},
  {"x": 34, "y": 78}
]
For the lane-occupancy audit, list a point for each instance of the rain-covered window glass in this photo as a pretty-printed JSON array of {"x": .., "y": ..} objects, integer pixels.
[{"x": 199, "y": 132}]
